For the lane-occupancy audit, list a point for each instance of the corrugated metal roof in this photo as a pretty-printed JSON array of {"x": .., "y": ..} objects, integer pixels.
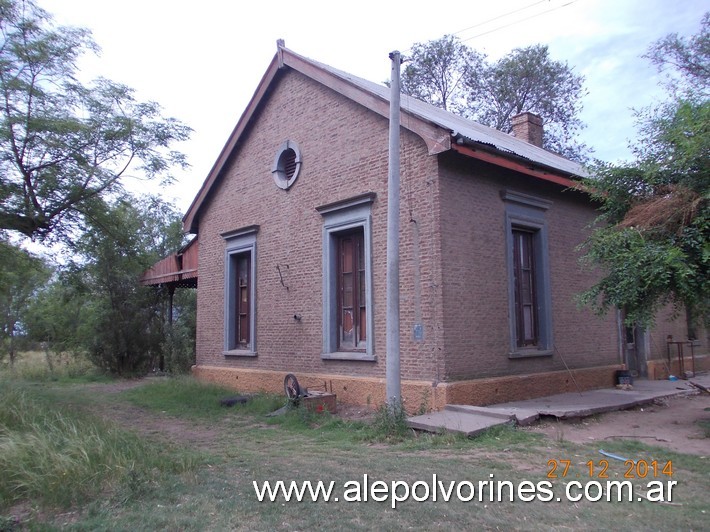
[{"x": 467, "y": 129}]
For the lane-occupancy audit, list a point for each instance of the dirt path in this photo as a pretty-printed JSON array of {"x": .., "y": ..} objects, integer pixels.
[
  {"x": 670, "y": 423},
  {"x": 149, "y": 422}
]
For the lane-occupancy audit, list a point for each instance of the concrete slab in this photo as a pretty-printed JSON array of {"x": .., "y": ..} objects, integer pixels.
[
  {"x": 521, "y": 416},
  {"x": 472, "y": 420},
  {"x": 576, "y": 405},
  {"x": 481, "y": 410},
  {"x": 455, "y": 421}
]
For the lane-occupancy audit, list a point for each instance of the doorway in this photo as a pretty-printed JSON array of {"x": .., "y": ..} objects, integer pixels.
[{"x": 634, "y": 342}]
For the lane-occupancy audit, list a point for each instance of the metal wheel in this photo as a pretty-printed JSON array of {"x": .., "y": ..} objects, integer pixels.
[{"x": 292, "y": 389}]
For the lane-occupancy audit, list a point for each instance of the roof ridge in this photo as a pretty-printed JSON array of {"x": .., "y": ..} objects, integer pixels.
[{"x": 458, "y": 125}]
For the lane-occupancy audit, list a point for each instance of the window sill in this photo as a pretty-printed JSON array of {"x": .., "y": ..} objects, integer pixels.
[
  {"x": 349, "y": 355},
  {"x": 531, "y": 353},
  {"x": 239, "y": 353}
]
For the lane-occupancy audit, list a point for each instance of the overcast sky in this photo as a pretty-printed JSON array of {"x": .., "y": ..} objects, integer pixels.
[{"x": 202, "y": 60}]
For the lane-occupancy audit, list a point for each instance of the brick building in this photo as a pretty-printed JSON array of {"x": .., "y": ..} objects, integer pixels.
[{"x": 291, "y": 223}]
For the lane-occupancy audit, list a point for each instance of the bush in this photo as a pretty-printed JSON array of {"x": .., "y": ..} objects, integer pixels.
[
  {"x": 390, "y": 423},
  {"x": 178, "y": 348}
]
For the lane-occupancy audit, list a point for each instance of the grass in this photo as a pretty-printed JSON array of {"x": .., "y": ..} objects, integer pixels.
[
  {"x": 234, "y": 447},
  {"x": 705, "y": 427},
  {"x": 390, "y": 424},
  {"x": 59, "y": 457},
  {"x": 186, "y": 397}
]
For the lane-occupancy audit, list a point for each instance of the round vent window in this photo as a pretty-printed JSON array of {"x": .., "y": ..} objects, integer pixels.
[{"x": 287, "y": 165}]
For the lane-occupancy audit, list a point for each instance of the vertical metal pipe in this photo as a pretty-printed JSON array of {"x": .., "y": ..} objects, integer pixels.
[{"x": 392, "y": 368}]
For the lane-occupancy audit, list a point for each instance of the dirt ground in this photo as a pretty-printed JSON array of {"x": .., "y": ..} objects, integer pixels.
[{"x": 670, "y": 423}]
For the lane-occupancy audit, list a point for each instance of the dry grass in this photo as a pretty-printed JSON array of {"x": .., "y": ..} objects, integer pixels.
[
  {"x": 58, "y": 457},
  {"x": 38, "y": 366},
  {"x": 671, "y": 209}
]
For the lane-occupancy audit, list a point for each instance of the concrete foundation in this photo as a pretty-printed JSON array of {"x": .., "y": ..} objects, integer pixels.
[{"x": 417, "y": 396}]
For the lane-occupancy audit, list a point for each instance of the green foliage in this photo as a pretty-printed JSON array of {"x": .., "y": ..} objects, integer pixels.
[
  {"x": 390, "y": 424},
  {"x": 64, "y": 148},
  {"x": 21, "y": 276},
  {"x": 178, "y": 346},
  {"x": 450, "y": 75},
  {"x": 60, "y": 314},
  {"x": 642, "y": 275},
  {"x": 686, "y": 62},
  {"x": 528, "y": 79},
  {"x": 127, "y": 321},
  {"x": 652, "y": 238},
  {"x": 95, "y": 306},
  {"x": 63, "y": 143}
]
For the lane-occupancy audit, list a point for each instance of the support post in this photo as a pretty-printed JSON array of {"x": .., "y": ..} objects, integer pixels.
[
  {"x": 171, "y": 297},
  {"x": 392, "y": 368}
]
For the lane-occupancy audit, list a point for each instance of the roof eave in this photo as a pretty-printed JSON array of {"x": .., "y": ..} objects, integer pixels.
[{"x": 518, "y": 164}]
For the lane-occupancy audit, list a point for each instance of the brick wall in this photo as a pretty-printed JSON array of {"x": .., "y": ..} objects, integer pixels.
[
  {"x": 344, "y": 151},
  {"x": 453, "y": 269},
  {"x": 673, "y": 322},
  {"x": 664, "y": 359},
  {"x": 476, "y": 315}
]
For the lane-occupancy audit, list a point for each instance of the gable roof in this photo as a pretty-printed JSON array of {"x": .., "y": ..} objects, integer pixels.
[{"x": 440, "y": 129}]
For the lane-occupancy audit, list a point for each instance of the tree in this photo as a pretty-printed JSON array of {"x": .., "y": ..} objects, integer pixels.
[
  {"x": 436, "y": 72},
  {"x": 450, "y": 75},
  {"x": 125, "y": 321},
  {"x": 686, "y": 61},
  {"x": 527, "y": 79},
  {"x": 94, "y": 305},
  {"x": 63, "y": 143},
  {"x": 59, "y": 315},
  {"x": 21, "y": 276},
  {"x": 653, "y": 235}
]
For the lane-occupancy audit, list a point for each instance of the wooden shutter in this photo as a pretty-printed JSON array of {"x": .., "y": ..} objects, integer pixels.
[
  {"x": 352, "y": 309},
  {"x": 525, "y": 291}
]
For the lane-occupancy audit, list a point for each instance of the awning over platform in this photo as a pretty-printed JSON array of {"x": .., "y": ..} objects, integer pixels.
[{"x": 178, "y": 270}]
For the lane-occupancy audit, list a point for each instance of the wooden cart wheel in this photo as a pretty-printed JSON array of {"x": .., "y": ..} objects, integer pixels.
[{"x": 292, "y": 389}]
